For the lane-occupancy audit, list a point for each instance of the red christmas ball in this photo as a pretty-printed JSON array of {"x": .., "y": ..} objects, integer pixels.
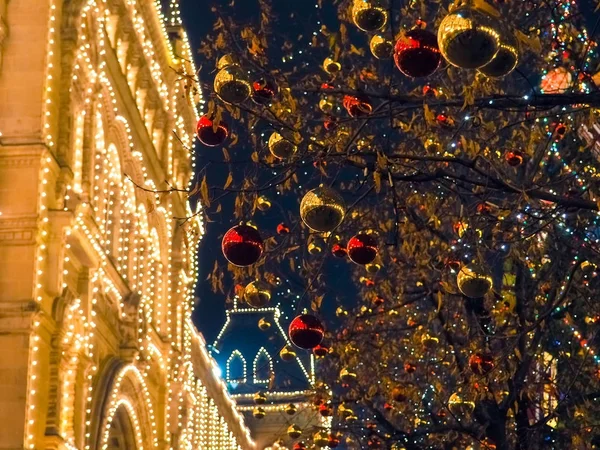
[
  {"x": 263, "y": 91},
  {"x": 417, "y": 53},
  {"x": 357, "y": 106},
  {"x": 306, "y": 331},
  {"x": 409, "y": 367},
  {"x": 209, "y": 134},
  {"x": 362, "y": 248},
  {"x": 282, "y": 228},
  {"x": 299, "y": 446},
  {"x": 338, "y": 250},
  {"x": 333, "y": 441},
  {"x": 242, "y": 245},
  {"x": 514, "y": 158},
  {"x": 481, "y": 363},
  {"x": 321, "y": 350}
]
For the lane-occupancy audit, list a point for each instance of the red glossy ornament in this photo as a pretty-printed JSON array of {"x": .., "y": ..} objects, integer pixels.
[
  {"x": 362, "y": 248},
  {"x": 338, "y": 250},
  {"x": 326, "y": 410},
  {"x": 321, "y": 350},
  {"x": 378, "y": 300},
  {"x": 417, "y": 53},
  {"x": 242, "y": 245},
  {"x": 388, "y": 407},
  {"x": 409, "y": 367},
  {"x": 481, "y": 363},
  {"x": 357, "y": 106},
  {"x": 282, "y": 228},
  {"x": 330, "y": 124},
  {"x": 299, "y": 446},
  {"x": 514, "y": 158},
  {"x": 306, "y": 331},
  {"x": 333, "y": 441},
  {"x": 263, "y": 91},
  {"x": 210, "y": 135}
]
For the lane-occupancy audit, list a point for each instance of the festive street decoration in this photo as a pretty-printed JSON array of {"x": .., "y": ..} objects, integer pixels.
[
  {"x": 260, "y": 398},
  {"x": 474, "y": 280},
  {"x": 331, "y": 66},
  {"x": 231, "y": 83},
  {"x": 263, "y": 91},
  {"x": 210, "y": 133},
  {"x": 380, "y": 47},
  {"x": 357, "y": 106},
  {"x": 417, "y": 54},
  {"x": 259, "y": 413},
  {"x": 506, "y": 59},
  {"x": 280, "y": 147},
  {"x": 481, "y": 363},
  {"x": 242, "y": 245},
  {"x": 257, "y": 294},
  {"x": 306, "y": 331},
  {"x": 362, "y": 248},
  {"x": 287, "y": 354},
  {"x": 294, "y": 431},
  {"x": 322, "y": 209},
  {"x": 369, "y": 15}
]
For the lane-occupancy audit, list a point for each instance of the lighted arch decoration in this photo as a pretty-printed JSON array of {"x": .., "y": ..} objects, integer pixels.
[
  {"x": 257, "y": 366},
  {"x": 235, "y": 356},
  {"x": 134, "y": 421},
  {"x": 120, "y": 395}
]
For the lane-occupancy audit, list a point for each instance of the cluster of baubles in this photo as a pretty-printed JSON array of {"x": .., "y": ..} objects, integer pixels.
[
  {"x": 470, "y": 37},
  {"x": 233, "y": 86}
]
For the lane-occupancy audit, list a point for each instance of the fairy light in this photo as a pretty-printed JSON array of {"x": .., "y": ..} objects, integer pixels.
[
  {"x": 258, "y": 363},
  {"x": 234, "y": 357}
]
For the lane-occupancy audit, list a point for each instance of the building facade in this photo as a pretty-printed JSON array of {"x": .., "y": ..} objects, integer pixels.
[{"x": 97, "y": 251}]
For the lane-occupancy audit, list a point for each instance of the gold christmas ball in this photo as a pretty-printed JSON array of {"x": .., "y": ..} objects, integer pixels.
[
  {"x": 259, "y": 412},
  {"x": 263, "y": 203},
  {"x": 373, "y": 267},
  {"x": 322, "y": 209},
  {"x": 287, "y": 353},
  {"x": 351, "y": 418},
  {"x": 264, "y": 324},
  {"x": 369, "y": 15},
  {"x": 468, "y": 37},
  {"x": 429, "y": 342},
  {"x": 291, "y": 409},
  {"x": 341, "y": 312},
  {"x": 231, "y": 83},
  {"x": 474, "y": 280},
  {"x": 280, "y": 147},
  {"x": 507, "y": 58},
  {"x": 381, "y": 48},
  {"x": 315, "y": 248},
  {"x": 321, "y": 438},
  {"x": 331, "y": 66},
  {"x": 294, "y": 431},
  {"x": 257, "y": 294},
  {"x": 260, "y": 398},
  {"x": 345, "y": 411},
  {"x": 326, "y": 105},
  {"x": 346, "y": 376},
  {"x": 459, "y": 406}
]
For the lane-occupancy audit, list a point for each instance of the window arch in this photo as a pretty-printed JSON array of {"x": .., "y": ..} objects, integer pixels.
[
  {"x": 236, "y": 368},
  {"x": 262, "y": 368}
]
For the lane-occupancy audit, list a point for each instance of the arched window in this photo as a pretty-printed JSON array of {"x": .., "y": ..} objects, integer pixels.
[
  {"x": 236, "y": 368},
  {"x": 262, "y": 367}
]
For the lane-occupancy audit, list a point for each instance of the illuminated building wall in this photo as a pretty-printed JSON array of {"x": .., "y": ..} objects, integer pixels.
[{"x": 96, "y": 274}]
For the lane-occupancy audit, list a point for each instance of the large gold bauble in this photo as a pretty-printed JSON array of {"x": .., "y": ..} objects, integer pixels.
[
  {"x": 474, "y": 280},
  {"x": 264, "y": 324},
  {"x": 260, "y": 398},
  {"x": 326, "y": 105},
  {"x": 280, "y": 147},
  {"x": 257, "y": 294},
  {"x": 469, "y": 38},
  {"x": 263, "y": 203},
  {"x": 381, "y": 48},
  {"x": 287, "y": 353},
  {"x": 259, "y": 412},
  {"x": 507, "y": 58},
  {"x": 294, "y": 431},
  {"x": 346, "y": 376},
  {"x": 321, "y": 439},
  {"x": 322, "y": 209},
  {"x": 231, "y": 83},
  {"x": 459, "y": 406},
  {"x": 291, "y": 409},
  {"x": 369, "y": 15},
  {"x": 331, "y": 66}
]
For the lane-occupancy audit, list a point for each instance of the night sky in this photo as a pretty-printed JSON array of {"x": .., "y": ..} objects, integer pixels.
[{"x": 209, "y": 314}]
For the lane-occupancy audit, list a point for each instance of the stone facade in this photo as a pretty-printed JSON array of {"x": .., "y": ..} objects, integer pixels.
[{"x": 97, "y": 350}]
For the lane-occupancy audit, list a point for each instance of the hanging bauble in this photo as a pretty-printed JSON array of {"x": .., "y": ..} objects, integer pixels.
[
  {"x": 264, "y": 324},
  {"x": 373, "y": 268},
  {"x": 429, "y": 342},
  {"x": 282, "y": 228},
  {"x": 331, "y": 66},
  {"x": 263, "y": 91},
  {"x": 257, "y": 294},
  {"x": 381, "y": 48},
  {"x": 378, "y": 300},
  {"x": 357, "y": 105},
  {"x": 299, "y": 446},
  {"x": 341, "y": 312},
  {"x": 468, "y": 37},
  {"x": 369, "y": 15},
  {"x": 330, "y": 124},
  {"x": 347, "y": 376},
  {"x": 481, "y": 363},
  {"x": 294, "y": 431},
  {"x": 399, "y": 394},
  {"x": 474, "y": 280},
  {"x": 280, "y": 147},
  {"x": 231, "y": 83},
  {"x": 459, "y": 406},
  {"x": 306, "y": 331},
  {"x": 321, "y": 350},
  {"x": 260, "y": 398},
  {"x": 326, "y": 410},
  {"x": 514, "y": 158},
  {"x": 417, "y": 54},
  {"x": 506, "y": 59},
  {"x": 210, "y": 133},
  {"x": 291, "y": 409},
  {"x": 344, "y": 410},
  {"x": 315, "y": 247},
  {"x": 338, "y": 250},
  {"x": 410, "y": 367},
  {"x": 560, "y": 129},
  {"x": 320, "y": 438},
  {"x": 263, "y": 203},
  {"x": 242, "y": 245},
  {"x": 333, "y": 440},
  {"x": 374, "y": 443},
  {"x": 322, "y": 209},
  {"x": 556, "y": 81},
  {"x": 362, "y": 248},
  {"x": 259, "y": 412},
  {"x": 287, "y": 354},
  {"x": 326, "y": 105}
]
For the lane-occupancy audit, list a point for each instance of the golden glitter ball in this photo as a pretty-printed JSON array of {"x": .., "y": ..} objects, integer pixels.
[
  {"x": 315, "y": 248},
  {"x": 294, "y": 431},
  {"x": 369, "y": 15},
  {"x": 346, "y": 376},
  {"x": 469, "y": 38},
  {"x": 373, "y": 267},
  {"x": 331, "y": 66},
  {"x": 263, "y": 203},
  {"x": 231, "y": 83},
  {"x": 291, "y": 409},
  {"x": 474, "y": 280},
  {"x": 322, "y": 209},
  {"x": 507, "y": 58},
  {"x": 280, "y": 147},
  {"x": 259, "y": 412},
  {"x": 326, "y": 105},
  {"x": 260, "y": 398},
  {"x": 287, "y": 353},
  {"x": 264, "y": 324},
  {"x": 429, "y": 342},
  {"x": 381, "y": 48},
  {"x": 459, "y": 406},
  {"x": 257, "y": 294},
  {"x": 321, "y": 438}
]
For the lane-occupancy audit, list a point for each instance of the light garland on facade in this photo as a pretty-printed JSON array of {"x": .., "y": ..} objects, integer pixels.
[
  {"x": 262, "y": 352},
  {"x": 236, "y": 355}
]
